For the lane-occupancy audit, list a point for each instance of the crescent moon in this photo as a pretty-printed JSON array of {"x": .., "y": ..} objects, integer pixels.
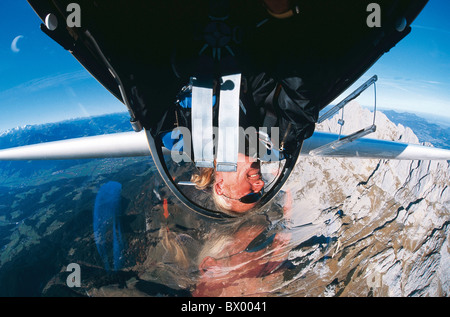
[{"x": 14, "y": 47}]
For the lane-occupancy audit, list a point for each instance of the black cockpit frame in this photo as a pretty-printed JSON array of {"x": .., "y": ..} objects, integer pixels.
[{"x": 128, "y": 46}]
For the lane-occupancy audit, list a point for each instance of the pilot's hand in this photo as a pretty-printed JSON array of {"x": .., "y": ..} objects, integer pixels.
[{"x": 278, "y": 6}]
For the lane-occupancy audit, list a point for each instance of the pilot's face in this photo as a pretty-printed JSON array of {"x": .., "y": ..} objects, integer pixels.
[{"x": 235, "y": 185}]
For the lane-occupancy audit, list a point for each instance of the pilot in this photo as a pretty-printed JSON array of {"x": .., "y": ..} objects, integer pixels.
[
  {"x": 236, "y": 192},
  {"x": 280, "y": 79},
  {"x": 277, "y": 90}
]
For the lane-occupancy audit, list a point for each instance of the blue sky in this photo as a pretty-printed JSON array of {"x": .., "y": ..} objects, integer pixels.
[
  {"x": 41, "y": 82},
  {"x": 415, "y": 75}
]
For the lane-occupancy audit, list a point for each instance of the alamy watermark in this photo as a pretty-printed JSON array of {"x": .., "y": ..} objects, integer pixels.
[
  {"x": 256, "y": 143},
  {"x": 374, "y": 18},
  {"x": 72, "y": 20},
  {"x": 74, "y": 17},
  {"x": 74, "y": 278}
]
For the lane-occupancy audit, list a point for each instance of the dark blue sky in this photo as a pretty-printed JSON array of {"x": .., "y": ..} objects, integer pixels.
[
  {"x": 415, "y": 75},
  {"x": 41, "y": 82}
]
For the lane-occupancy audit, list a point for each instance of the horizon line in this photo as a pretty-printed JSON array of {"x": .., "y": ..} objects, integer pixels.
[{"x": 422, "y": 115}]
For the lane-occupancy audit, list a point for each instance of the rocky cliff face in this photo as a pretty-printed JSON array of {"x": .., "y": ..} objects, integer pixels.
[{"x": 385, "y": 223}]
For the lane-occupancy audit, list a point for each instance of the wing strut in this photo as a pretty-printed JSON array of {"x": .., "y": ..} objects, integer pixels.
[
  {"x": 349, "y": 98},
  {"x": 333, "y": 146}
]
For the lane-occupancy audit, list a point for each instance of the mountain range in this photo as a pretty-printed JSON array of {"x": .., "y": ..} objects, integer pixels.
[
  {"x": 388, "y": 220},
  {"x": 12, "y": 172},
  {"x": 379, "y": 227},
  {"x": 425, "y": 129}
]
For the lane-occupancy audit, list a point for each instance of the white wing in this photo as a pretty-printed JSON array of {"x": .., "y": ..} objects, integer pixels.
[
  {"x": 132, "y": 144},
  {"x": 127, "y": 144},
  {"x": 371, "y": 148}
]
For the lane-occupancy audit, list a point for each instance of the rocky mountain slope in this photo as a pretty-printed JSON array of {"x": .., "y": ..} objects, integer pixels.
[{"x": 386, "y": 222}]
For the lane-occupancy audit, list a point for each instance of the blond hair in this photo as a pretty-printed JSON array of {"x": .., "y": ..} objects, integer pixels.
[
  {"x": 174, "y": 249},
  {"x": 204, "y": 179},
  {"x": 219, "y": 239}
]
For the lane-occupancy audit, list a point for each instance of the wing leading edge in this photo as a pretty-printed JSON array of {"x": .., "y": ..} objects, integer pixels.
[
  {"x": 368, "y": 148},
  {"x": 126, "y": 144},
  {"x": 132, "y": 144}
]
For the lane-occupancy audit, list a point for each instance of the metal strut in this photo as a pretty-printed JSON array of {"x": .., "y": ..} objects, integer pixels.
[
  {"x": 332, "y": 146},
  {"x": 349, "y": 98},
  {"x": 136, "y": 125}
]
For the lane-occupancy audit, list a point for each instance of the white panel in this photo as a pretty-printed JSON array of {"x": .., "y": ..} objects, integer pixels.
[
  {"x": 127, "y": 144},
  {"x": 201, "y": 122},
  {"x": 228, "y": 144}
]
